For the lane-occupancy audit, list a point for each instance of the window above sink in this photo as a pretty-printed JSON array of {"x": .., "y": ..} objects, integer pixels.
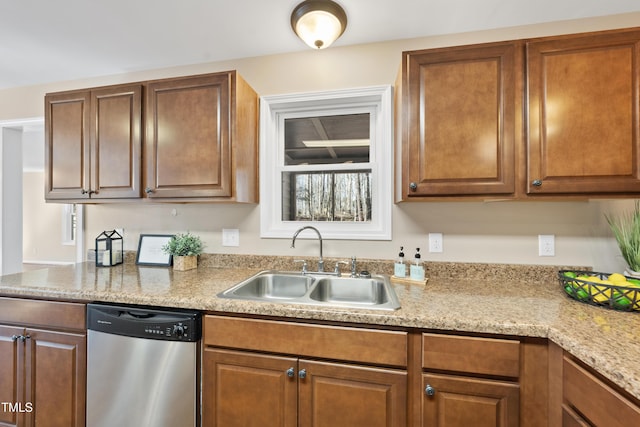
[{"x": 326, "y": 160}]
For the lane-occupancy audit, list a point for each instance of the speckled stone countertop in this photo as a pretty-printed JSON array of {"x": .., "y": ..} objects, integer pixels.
[{"x": 497, "y": 299}]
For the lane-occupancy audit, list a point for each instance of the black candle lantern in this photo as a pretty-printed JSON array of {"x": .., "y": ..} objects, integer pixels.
[{"x": 109, "y": 249}]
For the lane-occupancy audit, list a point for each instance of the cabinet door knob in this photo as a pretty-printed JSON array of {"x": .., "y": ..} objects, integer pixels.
[
  {"x": 430, "y": 391},
  {"x": 413, "y": 186},
  {"x": 302, "y": 374},
  {"x": 291, "y": 372},
  {"x": 536, "y": 183},
  {"x": 22, "y": 338},
  {"x": 148, "y": 190}
]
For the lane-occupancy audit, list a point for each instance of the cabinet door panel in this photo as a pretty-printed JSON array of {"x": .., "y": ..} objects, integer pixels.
[
  {"x": 595, "y": 400},
  {"x": 66, "y": 145},
  {"x": 11, "y": 374},
  {"x": 57, "y": 364},
  {"x": 188, "y": 139},
  {"x": 462, "y": 401},
  {"x": 116, "y": 142},
  {"x": 460, "y": 118},
  {"x": 583, "y": 114},
  {"x": 341, "y": 395},
  {"x": 248, "y": 390}
]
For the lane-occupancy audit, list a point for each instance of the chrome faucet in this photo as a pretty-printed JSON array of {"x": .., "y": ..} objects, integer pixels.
[{"x": 293, "y": 244}]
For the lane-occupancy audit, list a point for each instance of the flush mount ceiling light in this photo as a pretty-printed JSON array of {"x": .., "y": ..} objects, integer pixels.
[{"x": 318, "y": 22}]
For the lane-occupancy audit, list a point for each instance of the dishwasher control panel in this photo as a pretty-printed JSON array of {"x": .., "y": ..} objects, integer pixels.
[
  {"x": 179, "y": 330},
  {"x": 143, "y": 322}
]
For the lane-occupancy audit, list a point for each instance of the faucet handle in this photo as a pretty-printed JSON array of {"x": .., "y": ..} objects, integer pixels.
[
  {"x": 336, "y": 269},
  {"x": 304, "y": 265}
]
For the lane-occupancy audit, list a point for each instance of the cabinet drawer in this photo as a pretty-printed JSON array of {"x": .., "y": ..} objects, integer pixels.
[
  {"x": 331, "y": 342},
  {"x": 48, "y": 314},
  {"x": 485, "y": 356},
  {"x": 595, "y": 400}
]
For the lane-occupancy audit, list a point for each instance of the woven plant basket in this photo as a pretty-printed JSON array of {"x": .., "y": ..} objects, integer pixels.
[{"x": 184, "y": 263}]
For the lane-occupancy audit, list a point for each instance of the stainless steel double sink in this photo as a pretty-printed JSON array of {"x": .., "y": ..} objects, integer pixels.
[{"x": 374, "y": 293}]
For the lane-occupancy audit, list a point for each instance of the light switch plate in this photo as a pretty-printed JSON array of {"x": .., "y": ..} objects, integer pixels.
[{"x": 230, "y": 237}]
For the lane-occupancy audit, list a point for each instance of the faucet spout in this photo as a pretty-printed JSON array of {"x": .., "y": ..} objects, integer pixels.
[{"x": 293, "y": 244}]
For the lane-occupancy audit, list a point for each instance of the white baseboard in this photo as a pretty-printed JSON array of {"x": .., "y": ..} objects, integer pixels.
[{"x": 25, "y": 261}]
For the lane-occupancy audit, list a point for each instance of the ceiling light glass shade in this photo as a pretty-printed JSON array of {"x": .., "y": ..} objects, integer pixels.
[{"x": 318, "y": 22}]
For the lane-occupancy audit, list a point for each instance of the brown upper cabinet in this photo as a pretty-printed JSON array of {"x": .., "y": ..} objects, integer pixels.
[
  {"x": 197, "y": 140},
  {"x": 458, "y": 120},
  {"x": 93, "y": 143},
  {"x": 583, "y": 113},
  {"x": 521, "y": 119},
  {"x": 201, "y": 138}
]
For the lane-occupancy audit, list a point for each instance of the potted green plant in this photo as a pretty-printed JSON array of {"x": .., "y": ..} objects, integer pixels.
[
  {"x": 626, "y": 229},
  {"x": 185, "y": 249}
]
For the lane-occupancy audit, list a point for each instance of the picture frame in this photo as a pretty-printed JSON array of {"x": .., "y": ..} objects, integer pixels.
[{"x": 150, "y": 250}]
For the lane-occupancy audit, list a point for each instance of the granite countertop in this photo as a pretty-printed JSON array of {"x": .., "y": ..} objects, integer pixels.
[{"x": 512, "y": 300}]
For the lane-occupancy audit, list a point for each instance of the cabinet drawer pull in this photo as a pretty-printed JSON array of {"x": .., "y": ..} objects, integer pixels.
[
  {"x": 413, "y": 186},
  {"x": 302, "y": 374},
  {"x": 15, "y": 337},
  {"x": 536, "y": 183},
  {"x": 430, "y": 391},
  {"x": 290, "y": 372},
  {"x": 148, "y": 190}
]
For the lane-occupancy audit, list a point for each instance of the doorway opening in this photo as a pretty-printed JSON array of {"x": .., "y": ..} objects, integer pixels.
[{"x": 33, "y": 234}]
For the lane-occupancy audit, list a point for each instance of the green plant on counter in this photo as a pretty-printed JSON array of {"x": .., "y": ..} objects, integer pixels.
[
  {"x": 184, "y": 245},
  {"x": 626, "y": 229}
]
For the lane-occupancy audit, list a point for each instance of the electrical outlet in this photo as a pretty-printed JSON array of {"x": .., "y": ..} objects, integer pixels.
[
  {"x": 546, "y": 245},
  {"x": 435, "y": 243},
  {"x": 230, "y": 237}
]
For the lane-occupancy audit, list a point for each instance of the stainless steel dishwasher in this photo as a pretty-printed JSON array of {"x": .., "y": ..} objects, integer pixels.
[{"x": 142, "y": 366}]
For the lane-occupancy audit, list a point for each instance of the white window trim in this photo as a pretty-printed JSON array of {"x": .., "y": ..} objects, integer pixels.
[{"x": 375, "y": 99}]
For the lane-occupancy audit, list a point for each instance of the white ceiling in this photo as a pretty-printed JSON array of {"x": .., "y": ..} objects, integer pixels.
[{"x": 54, "y": 40}]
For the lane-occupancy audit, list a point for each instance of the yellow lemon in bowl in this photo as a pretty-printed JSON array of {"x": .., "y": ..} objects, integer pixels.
[
  {"x": 601, "y": 293},
  {"x": 617, "y": 278}
]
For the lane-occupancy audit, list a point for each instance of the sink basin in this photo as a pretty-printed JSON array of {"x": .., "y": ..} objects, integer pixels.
[
  {"x": 323, "y": 289},
  {"x": 271, "y": 285},
  {"x": 350, "y": 290}
]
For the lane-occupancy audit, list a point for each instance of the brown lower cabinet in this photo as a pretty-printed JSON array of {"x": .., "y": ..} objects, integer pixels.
[
  {"x": 260, "y": 372},
  {"x": 463, "y": 401},
  {"x": 42, "y": 371},
  {"x": 252, "y": 389},
  {"x": 340, "y": 386},
  {"x": 584, "y": 398},
  {"x": 471, "y": 381}
]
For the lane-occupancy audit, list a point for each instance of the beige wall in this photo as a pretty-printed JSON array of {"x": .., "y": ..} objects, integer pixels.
[
  {"x": 473, "y": 231},
  {"x": 42, "y": 224}
]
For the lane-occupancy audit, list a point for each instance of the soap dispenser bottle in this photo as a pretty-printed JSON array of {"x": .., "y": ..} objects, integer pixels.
[
  {"x": 400, "y": 268},
  {"x": 416, "y": 270}
]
